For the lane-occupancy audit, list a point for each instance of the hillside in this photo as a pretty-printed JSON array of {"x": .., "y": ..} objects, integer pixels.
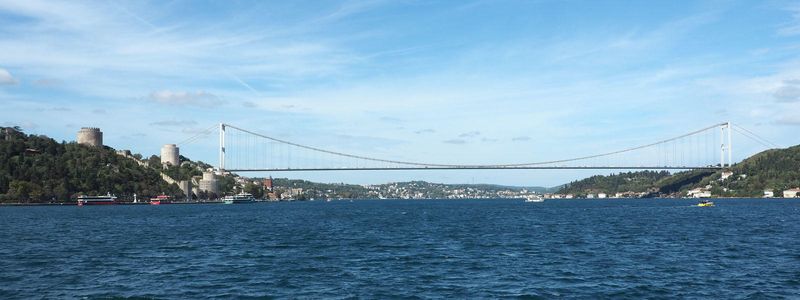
[
  {"x": 39, "y": 169},
  {"x": 776, "y": 169},
  {"x": 635, "y": 182}
]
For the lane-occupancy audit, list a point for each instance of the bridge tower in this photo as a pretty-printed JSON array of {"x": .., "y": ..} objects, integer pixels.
[
  {"x": 725, "y": 146},
  {"x": 221, "y": 148}
]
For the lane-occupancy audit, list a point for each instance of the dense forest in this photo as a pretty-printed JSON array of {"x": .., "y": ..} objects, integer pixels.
[
  {"x": 775, "y": 169},
  {"x": 38, "y": 169},
  {"x": 638, "y": 182}
]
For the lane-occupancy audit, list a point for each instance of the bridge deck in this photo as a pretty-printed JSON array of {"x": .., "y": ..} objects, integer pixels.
[{"x": 477, "y": 168}]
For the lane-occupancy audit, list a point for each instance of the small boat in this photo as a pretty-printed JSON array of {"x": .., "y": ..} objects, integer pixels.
[
  {"x": 240, "y": 198},
  {"x": 97, "y": 200},
  {"x": 534, "y": 198},
  {"x": 158, "y": 199},
  {"x": 705, "y": 203}
]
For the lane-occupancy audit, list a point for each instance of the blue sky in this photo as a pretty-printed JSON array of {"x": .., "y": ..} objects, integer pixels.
[{"x": 442, "y": 81}]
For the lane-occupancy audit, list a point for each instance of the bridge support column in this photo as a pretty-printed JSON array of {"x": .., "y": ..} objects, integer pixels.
[
  {"x": 730, "y": 145},
  {"x": 725, "y": 146},
  {"x": 221, "y": 148}
]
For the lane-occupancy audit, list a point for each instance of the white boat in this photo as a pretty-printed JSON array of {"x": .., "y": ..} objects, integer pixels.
[
  {"x": 239, "y": 198},
  {"x": 97, "y": 200},
  {"x": 534, "y": 198}
]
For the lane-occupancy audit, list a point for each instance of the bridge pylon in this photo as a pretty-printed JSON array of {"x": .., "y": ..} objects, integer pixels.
[
  {"x": 221, "y": 166},
  {"x": 726, "y": 147}
]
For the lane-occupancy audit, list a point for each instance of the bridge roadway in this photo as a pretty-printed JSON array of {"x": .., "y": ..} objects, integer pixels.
[{"x": 476, "y": 168}]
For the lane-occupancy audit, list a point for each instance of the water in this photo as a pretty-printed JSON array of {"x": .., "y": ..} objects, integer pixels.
[{"x": 746, "y": 248}]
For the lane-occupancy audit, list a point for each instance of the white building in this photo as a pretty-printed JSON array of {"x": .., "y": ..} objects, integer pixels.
[
  {"x": 726, "y": 174},
  {"x": 791, "y": 193},
  {"x": 698, "y": 193},
  {"x": 768, "y": 194}
]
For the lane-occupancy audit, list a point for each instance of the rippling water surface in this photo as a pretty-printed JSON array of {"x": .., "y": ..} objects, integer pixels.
[{"x": 655, "y": 248}]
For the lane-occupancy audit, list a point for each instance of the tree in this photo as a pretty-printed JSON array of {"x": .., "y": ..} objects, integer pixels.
[{"x": 154, "y": 161}]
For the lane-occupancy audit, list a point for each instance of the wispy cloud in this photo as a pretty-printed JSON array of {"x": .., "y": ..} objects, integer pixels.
[
  {"x": 428, "y": 130},
  {"x": 174, "y": 123},
  {"x": 521, "y": 139},
  {"x": 793, "y": 26},
  {"x": 132, "y": 46},
  {"x": 199, "y": 98},
  {"x": 455, "y": 141},
  {"x": 789, "y": 91},
  {"x": 47, "y": 82},
  {"x": 469, "y": 134},
  {"x": 391, "y": 120},
  {"x": 6, "y": 78},
  {"x": 789, "y": 119}
]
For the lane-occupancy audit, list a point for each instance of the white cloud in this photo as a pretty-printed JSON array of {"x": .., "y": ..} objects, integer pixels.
[
  {"x": 521, "y": 139},
  {"x": 118, "y": 49},
  {"x": 455, "y": 141},
  {"x": 789, "y": 91},
  {"x": 6, "y": 78},
  {"x": 469, "y": 134},
  {"x": 792, "y": 120},
  {"x": 174, "y": 123},
  {"x": 793, "y": 26},
  {"x": 199, "y": 98}
]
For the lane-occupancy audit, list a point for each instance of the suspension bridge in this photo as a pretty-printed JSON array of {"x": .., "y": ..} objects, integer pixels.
[{"x": 243, "y": 150}]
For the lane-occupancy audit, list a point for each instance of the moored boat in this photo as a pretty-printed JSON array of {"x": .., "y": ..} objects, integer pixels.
[
  {"x": 534, "y": 198},
  {"x": 96, "y": 200},
  {"x": 240, "y": 198},
  {"x": 159, "y": 199}
]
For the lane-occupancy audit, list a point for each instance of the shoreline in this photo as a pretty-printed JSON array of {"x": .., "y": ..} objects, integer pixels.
[{"x": 221, "y": 202}]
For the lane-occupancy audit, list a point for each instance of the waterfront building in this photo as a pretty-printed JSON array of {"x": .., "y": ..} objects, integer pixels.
[
  {"x": 791, "y": 193},
  {"x": 268, "y": 183},
  {"x": 768, "y": 194}
]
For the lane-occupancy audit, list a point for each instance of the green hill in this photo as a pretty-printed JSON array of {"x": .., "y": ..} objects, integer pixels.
[
  {"x": 39, "y": 169},
  {"x": 635, "y": 182},
  {"x": 775, "y": 169}
]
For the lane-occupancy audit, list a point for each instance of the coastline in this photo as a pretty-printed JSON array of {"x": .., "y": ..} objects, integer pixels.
[{"x": 490, "y": 199}]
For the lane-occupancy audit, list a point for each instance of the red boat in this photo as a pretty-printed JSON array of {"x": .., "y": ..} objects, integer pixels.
[
  {"x": 157, "y": 200},
  {"x": 96, "y": 200}
]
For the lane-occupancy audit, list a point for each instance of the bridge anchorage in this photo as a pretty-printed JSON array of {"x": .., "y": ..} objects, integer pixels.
[{"x": 242, "y": 150}]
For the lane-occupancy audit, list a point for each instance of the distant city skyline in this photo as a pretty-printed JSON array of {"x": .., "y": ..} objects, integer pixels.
[{"x": 467, "y": 82}]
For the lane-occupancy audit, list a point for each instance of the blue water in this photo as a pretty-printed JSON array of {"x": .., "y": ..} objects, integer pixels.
[{"x": 746, "y": 248}]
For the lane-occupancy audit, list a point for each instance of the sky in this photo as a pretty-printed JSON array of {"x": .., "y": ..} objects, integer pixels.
[{"x": 466, "y": 82}]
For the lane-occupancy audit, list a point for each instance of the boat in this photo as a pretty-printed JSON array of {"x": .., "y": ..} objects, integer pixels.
[
  {"x": 240, "y": 198},
  {"x": 158, "y": 199},
  {"x": 97, "y": 200},
  {"x": 534, "y": 198},
  {"x": 705, "y": 203}
]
